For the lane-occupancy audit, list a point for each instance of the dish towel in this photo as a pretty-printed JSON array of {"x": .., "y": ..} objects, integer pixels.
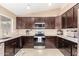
[{"x": 39, "y": 39}]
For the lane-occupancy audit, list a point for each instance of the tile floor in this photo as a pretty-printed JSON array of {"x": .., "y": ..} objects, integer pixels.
[{"x": 39, "y": 52}]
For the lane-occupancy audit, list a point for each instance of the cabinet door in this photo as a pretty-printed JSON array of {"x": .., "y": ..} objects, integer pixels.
[
  {"x": 27, "y": 22},
  {"x": 64, "y": 20},
  {"x": 18, "y": 22},
  {"x": 46, "y": 23},
  {"x": 12, "y": 47},
  {"x": 18, "y": 44},
  {"x": 24, "y": 22},
  {"x": 74, "y": 49},
  {"x": 75, "y": 15},
  {"x": 70, "y": 18},
  {"x": 52, "y": 22},
  {"x": 29, "y": 43},
  {"x": 58, "y": 22},
  {"x": 39, "y": 19},
  {"x": 50, "y": 42},
  {"x": 9, "y": 49},
  {"x": 49, "y": 22}
]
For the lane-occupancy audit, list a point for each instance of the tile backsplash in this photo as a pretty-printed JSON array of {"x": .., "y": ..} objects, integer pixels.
[
  {"x": 70, "y": 32},
  {"x": 48, "y": 32}
]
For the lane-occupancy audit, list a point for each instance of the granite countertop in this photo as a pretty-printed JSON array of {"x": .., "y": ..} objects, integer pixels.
[
  {"x": 72, "y": 39},
  {"x": 10, "y": 38},
  {"x": 62, "y": 36}
]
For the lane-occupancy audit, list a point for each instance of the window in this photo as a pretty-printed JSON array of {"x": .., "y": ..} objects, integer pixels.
[{"x": 5, "y": 26}]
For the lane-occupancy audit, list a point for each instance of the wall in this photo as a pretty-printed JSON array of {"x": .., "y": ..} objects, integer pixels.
[{"x": 8, "y": 14}]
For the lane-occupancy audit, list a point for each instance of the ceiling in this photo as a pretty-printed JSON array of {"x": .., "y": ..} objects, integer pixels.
[{"x": 23, "y": 9}]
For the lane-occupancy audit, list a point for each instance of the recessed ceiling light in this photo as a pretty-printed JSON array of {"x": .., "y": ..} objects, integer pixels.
[
  {"x": 49, "y": 4},
  {"x": 28, "y": 7}
]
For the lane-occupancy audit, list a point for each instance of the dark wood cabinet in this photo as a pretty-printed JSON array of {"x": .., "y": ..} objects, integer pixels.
[
  {"x": 50, "y": 42},
  {"x": 75, "y": 8},
  {"x": 11, "y": 47},
  {"x": 60, "y": 42},
  {"x": 64, "y": 20},
  {"x": 68, "y": 48},
  {"x": 18, "y": 23},
  {"x": 24, "y": 22},
  {"x": 74, "y": 49},
  {"x": 70, "y": 18},
  {"x": 29, "y": 42},
  {"x": 39, "y": 19},
  {"x": 50, "y": 22},
  {"x": 28, "y": 22},
  {"x": 58, "y": 21}
]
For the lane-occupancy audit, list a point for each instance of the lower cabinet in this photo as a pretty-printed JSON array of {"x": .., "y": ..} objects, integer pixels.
[
  {"x": 74, "y": 50},
  {"x": 71, "y": 47},
  {"x": 67, "y": 47},
  {"x": 28, "y": 42},
  {"x": 11, "y": 47},
  {"x": 59, "y": 42},
  {"x": 50, "y": 42}
]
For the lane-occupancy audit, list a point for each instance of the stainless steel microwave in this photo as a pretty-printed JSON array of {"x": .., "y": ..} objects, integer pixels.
[{"x": 39, "y": 25}]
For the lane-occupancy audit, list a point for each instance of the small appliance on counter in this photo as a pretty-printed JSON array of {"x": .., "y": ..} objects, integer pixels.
[{"x": 59, "y": 32}]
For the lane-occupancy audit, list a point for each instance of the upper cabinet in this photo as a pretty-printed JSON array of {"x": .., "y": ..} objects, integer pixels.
[
  {"x": 24, "y": 22},
  {"x": 64, "y": 20},
  {"x": 50, "y": 22},
  {"x": 38, "y": 19},
  {"x": 58, "y": 22},
  {"x": 18, "y": 22},
  {"x": 28, "y": 22},
  {"x": 76, "y": 7},
  {"x": 69, "y": 18}
]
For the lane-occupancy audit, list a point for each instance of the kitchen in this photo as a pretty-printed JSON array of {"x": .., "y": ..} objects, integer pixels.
[{"x": 43, "y": 28}]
